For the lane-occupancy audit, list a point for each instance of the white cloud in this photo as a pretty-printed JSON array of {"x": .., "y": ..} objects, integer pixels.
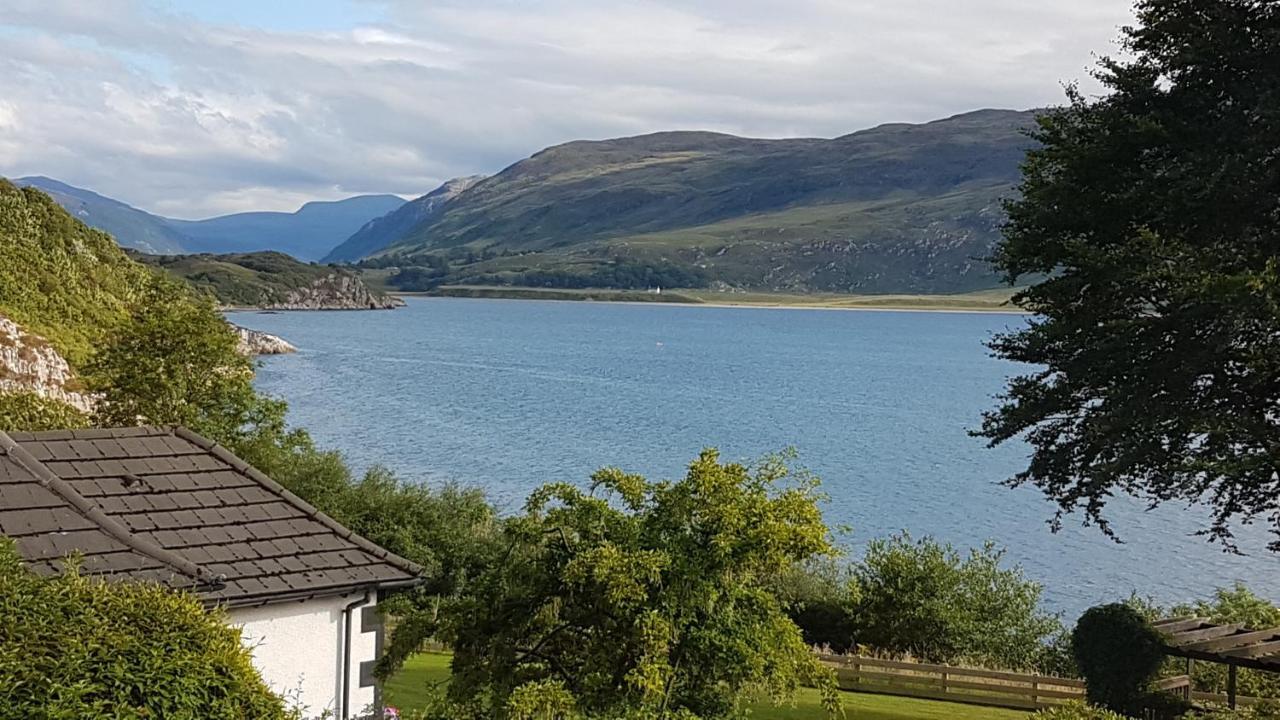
[{"x": 191, "y": 118}]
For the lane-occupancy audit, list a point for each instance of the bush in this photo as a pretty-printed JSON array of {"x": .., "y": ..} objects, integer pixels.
[
  {"x": 29, "y": 411},
  {"x": 1119, "y": 654},
  {"x": 1076, "y": 711},
  {"x": 819, "y": 600},
  {"x": 74, "y": 647},
  {"x": 1266, "y": 710},
  {"x": 924, "y": 599}
]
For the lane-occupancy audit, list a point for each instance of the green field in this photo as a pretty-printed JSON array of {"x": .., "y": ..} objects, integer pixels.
[{"x": 408, "y": 691}]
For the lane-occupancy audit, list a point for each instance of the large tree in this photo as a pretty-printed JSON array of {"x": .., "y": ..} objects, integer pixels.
[
  {"x": 639, "y": 599},
  {"x": 1154, "y": 213}
]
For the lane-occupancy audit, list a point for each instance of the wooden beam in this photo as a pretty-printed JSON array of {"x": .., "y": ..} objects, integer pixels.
[
  {"x": 1174, "y": 625},
  {"x": 1231, "y": 687},
  {"x": 1227, "y": 642},
  {"x": 1256, "y": 650},
  {"x": 1185, "y": 638}
]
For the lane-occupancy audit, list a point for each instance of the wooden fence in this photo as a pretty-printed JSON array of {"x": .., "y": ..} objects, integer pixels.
[{"x": 976, "y": 687}]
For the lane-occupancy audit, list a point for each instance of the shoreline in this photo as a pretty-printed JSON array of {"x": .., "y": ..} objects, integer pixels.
[{"x": 924, "y": 303}]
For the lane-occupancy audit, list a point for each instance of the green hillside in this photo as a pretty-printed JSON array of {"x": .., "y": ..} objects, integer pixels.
[
  {"x": 134, "y": 228},
  {"x": 898, "y": 208},
  {"x": 245, "y": 279},
  {"x": 58, "y": 277}
]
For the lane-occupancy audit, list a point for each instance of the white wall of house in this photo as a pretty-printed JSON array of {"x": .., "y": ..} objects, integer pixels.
[{"x": 297, "y": 646}]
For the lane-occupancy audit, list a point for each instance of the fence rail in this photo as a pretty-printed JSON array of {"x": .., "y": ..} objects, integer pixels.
[{"x": 1021, "y": 691}]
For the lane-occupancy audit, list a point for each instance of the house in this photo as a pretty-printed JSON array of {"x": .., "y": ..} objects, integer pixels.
[{"x": 166, "y": 505}]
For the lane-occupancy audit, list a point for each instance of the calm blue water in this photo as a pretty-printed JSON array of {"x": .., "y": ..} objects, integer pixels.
[{"x": 508, "y": 395}]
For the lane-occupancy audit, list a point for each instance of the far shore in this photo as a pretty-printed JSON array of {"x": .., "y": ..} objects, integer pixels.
[{"x": 983, "y": 301}]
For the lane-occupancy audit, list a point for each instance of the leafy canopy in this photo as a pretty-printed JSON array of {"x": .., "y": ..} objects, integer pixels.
[
  {"x": 924, "y": 599},
  {"x": 1154, "y": 213},
  {"x": 639, "y": 599},
  {"x": 73, "y": 647}
]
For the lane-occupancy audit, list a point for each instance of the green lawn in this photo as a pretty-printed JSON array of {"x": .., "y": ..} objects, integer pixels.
[{"x": 407, "y": 691}]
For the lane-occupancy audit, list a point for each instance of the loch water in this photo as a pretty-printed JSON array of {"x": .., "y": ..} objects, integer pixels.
[{"x": 507, "y": 395}]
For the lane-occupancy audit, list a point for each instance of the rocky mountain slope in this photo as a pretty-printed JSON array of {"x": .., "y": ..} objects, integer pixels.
[
  {"x": 28, "y": 363},
  {"x": 134, "y": 228},
  {"x": 383, "y": 231},
  {"x": 897, "y": 208},
  {"x": 307, "y": 234},
  {"x": 272, "y": 280}
]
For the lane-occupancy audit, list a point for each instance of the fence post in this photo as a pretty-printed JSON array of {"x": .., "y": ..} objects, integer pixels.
[{"x": 1035, "y": 693}]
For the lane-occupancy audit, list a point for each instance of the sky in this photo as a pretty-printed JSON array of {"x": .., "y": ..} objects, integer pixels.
[{"x": 202, "y": 107}]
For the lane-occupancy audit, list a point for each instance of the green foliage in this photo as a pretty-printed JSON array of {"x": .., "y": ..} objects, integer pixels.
[
  {"x": 256, "y": 279},
  {"x": 819, "y": 596},
  {"x": 639, "y": 599},
  {"x": 923, "y": 598},
  {"x": 1267, "y": 710},
  {"x": 1151, "y": 210},
  {"x": 73, "y": 647},
  {"x": 1119, "y": 654},
  {"x": 1237, "y": 604},
  {"x": 60, "y": 279},
  {"x": 176, "y": 363},
  {"x": 30, "y": 411},
  {"x": 1076, "y": 711}
]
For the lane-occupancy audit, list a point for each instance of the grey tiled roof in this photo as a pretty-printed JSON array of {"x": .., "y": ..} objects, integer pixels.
[{"x": 166, "y": 505}]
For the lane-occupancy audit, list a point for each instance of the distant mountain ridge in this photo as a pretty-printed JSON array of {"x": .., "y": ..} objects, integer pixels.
[
  {"x": 895, "y": 208},
  {"x": 133, "y": 228},
  {"x": 309, "y": 233},
  {"x": 306, "y": 234},
  {"x": 380, "y": 232}
]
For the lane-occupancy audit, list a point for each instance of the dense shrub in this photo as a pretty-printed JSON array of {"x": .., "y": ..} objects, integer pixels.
[
  {"x": 29, "y": 411},
  {"x": 1267, "y": 710},
  {"x": 818, "y": 597},
  {"x": 1119, "y": 654},
  {"x": 1076, "y": 711},
  {"x": 923, "y": 598},
  {"x": 73, "y": 647}
]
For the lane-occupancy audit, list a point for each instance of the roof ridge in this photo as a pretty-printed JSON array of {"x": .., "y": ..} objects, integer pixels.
[
  {"x": 109, "y": 525},
  {"x": 312, "y": 512}
]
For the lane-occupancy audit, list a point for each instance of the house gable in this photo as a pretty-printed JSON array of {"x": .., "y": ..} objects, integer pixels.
[{"x": 166, "y": 504}]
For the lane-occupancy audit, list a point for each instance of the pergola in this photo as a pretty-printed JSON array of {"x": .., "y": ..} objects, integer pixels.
[{"x": 1231, "y": 644}]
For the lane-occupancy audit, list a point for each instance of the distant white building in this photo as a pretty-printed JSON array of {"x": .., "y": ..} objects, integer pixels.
[{"x": 166, "y": 505}]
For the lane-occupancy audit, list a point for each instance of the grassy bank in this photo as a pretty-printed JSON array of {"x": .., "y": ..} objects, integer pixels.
[
  {"x": 409, "y": 691},
  {"x": 997, "y": 300}
]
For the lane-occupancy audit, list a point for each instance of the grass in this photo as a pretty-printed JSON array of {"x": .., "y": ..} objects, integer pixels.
[{"x": 408, "y": 691}]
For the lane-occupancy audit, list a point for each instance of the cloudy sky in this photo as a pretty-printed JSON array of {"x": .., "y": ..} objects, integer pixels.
[{"x": 201, "y": 107}]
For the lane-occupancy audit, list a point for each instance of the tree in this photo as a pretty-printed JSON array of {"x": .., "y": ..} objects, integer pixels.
[
  {"x": 1153, "y": 214},
  {"x": 75, "y": 647},
  {"x": 640, "y": 599},
  {"x": 176, "y": 363},
  {"x": 922, "y": 598}
]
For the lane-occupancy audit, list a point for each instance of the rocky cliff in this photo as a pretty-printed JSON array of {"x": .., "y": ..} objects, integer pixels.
[
  {"x": 271, "y": 280},
  {"x": 29, "y": 364},
  {"x": 336, "y": 291},
  {"x": 256, "y": 342}
]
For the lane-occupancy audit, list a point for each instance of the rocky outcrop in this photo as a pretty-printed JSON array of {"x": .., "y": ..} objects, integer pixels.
[
  {"x": 256, "y": 342},
  {"x": 29, "y": 364},
  {"x": 336, "y": 291}
]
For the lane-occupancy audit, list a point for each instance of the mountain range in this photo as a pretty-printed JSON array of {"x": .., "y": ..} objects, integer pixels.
[
  {"x": 899, "y": 208},
  {"x": 307, "y": 234},
  {"x": 896, "y": 208}
]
